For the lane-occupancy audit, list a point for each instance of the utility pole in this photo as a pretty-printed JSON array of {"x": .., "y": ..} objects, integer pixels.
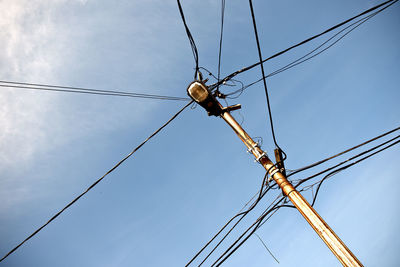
[{"x": 200, "y": 93}]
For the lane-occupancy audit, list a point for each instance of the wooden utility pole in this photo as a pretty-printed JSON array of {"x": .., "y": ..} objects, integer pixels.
[
  {"x": 343, "y": 253},
  {"x": 200, "y": 93}
]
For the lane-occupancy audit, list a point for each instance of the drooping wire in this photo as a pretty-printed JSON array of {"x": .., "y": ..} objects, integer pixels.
[
  {"x": 307, "y": 56},
  {"x": 260, "y": 221},
  {"x": 262, "y": 192},
  {"x": 231, "y": 249},
  {"x": 261, "y": 195},
  {"x": 191, "y": 40},
  {"x": 347, "y": 166},
  {"x": 230, "y": 76},
  {"x": 97, "y": 181},
  {"x": 81, "y": 90}
]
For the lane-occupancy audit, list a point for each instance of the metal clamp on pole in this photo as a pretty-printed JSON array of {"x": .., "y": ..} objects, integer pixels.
[
  {"x": 279, "y": 160},
  {"x": 199, "y": 92}
]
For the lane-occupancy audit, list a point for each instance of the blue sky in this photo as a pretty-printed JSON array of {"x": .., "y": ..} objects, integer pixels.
[{"x": 165, "y": 202}]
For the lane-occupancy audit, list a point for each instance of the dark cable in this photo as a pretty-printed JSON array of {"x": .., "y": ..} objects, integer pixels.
[
  {"x": 260, "y": 221},
  {"x": 243, "y": 214},
  {"x": 263, "y": 75},
  {"x": 95, "y": 183},
  {"x": 220, "y": 260},
  {"x": 343, "y": 152},
  {"x": 270, "y": 253},
  {"x": 220, "y": 39},
  {"x": 69, "y": 89},
  {"x": 302, "y": 60},
  {"x": 343, "y": 162},
  {"x": 347, "y": 166},
  {"x": 191, "y": 40},
  {"x": 230, "y": 76}
]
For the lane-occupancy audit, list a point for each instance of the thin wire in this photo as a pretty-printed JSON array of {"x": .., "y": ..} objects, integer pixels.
[
  {"x": 220, "y": 39},
  {"x": 81, "y": 90},
  {"x": 343, "y": 152},
  {"x": 230, "y": 76},
  {"x": 263, "y": 75},
  {"x": 191, "y": 40},
  {"x": 220, "y": 260},
  {"x": 267, "y": 248},
  {"x": 261, "y": 194},
  {"x": 95, "y": 183},
  {"x": 259, "y": 222},
  {"x": 343, "y": 162},
  {"x": 300, "y": 61},
  {"x": 347, "y": 166}
]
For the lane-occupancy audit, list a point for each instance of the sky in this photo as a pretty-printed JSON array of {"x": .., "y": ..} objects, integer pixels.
[{"x": 164, "y": 203}]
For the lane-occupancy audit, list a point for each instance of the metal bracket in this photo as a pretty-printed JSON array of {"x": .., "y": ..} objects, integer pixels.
[
  {"x": 250, "y": 150},
  {"x": 260, "y": 157},
  {"x": 273, "y": 172}
]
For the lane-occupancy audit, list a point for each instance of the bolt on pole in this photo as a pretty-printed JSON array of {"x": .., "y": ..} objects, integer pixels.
[{"x": 200, "y": 93}]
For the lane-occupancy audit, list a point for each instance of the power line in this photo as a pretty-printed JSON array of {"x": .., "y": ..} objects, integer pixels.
[
  {"x": 97, "y": 181},
  {"x": 262, "y": 193},
  {"x": 347, "y": 166},
  {"x": 343, "y": 152},
  {"x": 269, "y": 251},
  {"x": 191, "y": 40},
  {"x": 275, "y": 208},
  {"x": 263, "y": 75},
  {"x": 260, "y": 221},
  {"x": 345, "y": 161},
  {"x": 243, "y": 214},
  {"x": 81, "y": 90},
  {"x": 309, "y": 55},
  {"x": 230, "y": 76},
  {"x": 255, "y": 225},
  {"x": 220, "y": 39}
]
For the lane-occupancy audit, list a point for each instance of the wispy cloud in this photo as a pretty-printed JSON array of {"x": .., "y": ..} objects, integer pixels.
[{"x": 35, "y": 48}]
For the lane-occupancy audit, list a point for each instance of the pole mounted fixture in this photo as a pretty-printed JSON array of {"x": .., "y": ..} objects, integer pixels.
[{"x": 200, "y": 93}]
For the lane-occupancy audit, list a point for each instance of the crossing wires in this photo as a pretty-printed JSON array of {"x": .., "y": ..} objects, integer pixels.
[
  {"x": 280, "y": 201},
  {"x": 232, "y": 75}
]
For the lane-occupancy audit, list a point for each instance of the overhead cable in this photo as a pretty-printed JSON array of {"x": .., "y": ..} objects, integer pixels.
[
  {"x": 262, "y": 219},
  {"x": 262, "y": 193},
  {"x": 343, "y": 152},
  {"x": 220, "y": 39},
  {"x": 97, "y": 181},
  {"x": 230, "y": 76},
  {"x": 191, "y": 40},
  {"x": 263, "y": 76},
  {"x": 81, "y": 90},
  {"x": 311, "y": 54}
]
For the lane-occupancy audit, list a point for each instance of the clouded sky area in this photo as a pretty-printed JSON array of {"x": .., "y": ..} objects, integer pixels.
[{"x": 165, "y": 202}]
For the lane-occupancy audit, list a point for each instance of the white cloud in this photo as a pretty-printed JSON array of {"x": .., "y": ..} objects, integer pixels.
[{"x": 34, "y": 47}]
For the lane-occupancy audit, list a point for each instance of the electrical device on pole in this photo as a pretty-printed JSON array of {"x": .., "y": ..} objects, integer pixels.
[{"x": 200, "y": 93}]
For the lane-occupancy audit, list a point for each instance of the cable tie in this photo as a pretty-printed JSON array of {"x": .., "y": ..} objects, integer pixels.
[
  {"x": 260, "y": 157},
  {"x": 274, "y": 172}
]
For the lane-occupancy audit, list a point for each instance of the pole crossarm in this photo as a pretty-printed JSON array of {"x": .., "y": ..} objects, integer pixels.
[{"x": 338, "y": 248}]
